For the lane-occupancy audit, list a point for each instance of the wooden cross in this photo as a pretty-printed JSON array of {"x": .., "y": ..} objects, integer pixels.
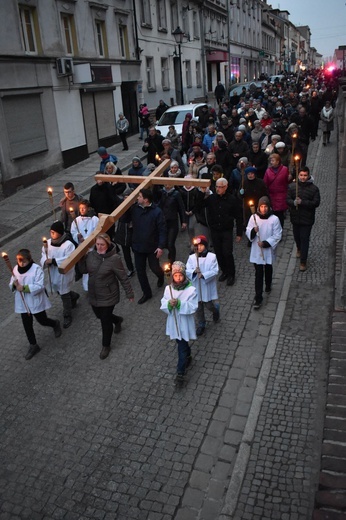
[{"x": 106, "y": 221}]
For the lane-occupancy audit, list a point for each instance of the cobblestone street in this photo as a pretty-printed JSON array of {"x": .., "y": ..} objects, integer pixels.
[{"x": 116, "y": 439}]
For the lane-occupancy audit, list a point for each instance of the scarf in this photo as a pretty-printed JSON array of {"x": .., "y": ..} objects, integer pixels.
[
  {"x": 181, "y": 286},
  {"x": 59, "y": 241},
  {"x": 23, "y": 270},
  {"x": 327, "y": 112}
]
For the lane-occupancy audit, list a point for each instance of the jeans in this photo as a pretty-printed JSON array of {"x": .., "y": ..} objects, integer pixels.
[
  {"x": 302, "y": 239},
  {"x": 184, "y": 352},
  {"x": 223, "y": 247},
  {"x": 105, "y": 314},
  {"x": 260, "y": 270},
  {"x": 42, "y": 318},
  {"x": 123, "y": 140},
  {"x": 154, "y": 264}
]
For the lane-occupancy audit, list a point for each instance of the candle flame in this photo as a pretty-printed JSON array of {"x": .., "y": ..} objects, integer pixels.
[
  {"x": 71, "y": 209},
  {"x": 44, "y": 239},
  {"x": 296, "y": 157},
  {"x": 251, "y": 203},
  {"x": 167, "y": 268},
  {"x": 50, "y": 191},
  {"x": 157, "y": 157},
  {"x": 4, "y": 255},
  {"x": 294, "y": 136}
]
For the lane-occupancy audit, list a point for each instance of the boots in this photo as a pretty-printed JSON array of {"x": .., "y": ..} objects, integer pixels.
[{"x": 33, "y": 349}]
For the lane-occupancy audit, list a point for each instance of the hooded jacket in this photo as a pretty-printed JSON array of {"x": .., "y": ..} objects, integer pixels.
[{"x": 105, "y": 273}]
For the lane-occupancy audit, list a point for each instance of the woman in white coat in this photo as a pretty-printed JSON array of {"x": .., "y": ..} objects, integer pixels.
[
  {"x": 180, "y": 305},
  {"x": 59, "y": 249},
  {"x": 202, "y": 269},
  {"x": 264, "y": 232},
  {"x": 327, "y": 122},
  {"x": 30, "y": 299}
]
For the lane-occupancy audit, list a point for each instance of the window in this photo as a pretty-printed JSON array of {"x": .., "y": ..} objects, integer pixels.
[
  {"x": 145, "y": 13},
  {"x": 161, "y": 15},
  {"x": 150, "y": 74},
  {"x": 188, "y": 73},
  {"x": 29, "y": 30},
  {"x": 25, "y": 126},
  {"x": 164, "y": 74},
  {"x": 174, "y": 16},
  {"x": 124, "y": 42},
  {"x": 69, "y": 33},
  {"x": 198, "y": 74},
  {"x": 195, "y": 25},
  {"x": 186, "y": 27},
  {"x": 101, "y": 38}
]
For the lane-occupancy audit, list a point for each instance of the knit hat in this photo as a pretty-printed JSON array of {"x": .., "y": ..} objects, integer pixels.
[
  {"x": 242, "y": 128},
  {"x": 250, "y": 169},
  {"x": 280, "y": 144},
  {"x": 201, "y": 239},
  {"x": 166, "y": 141},
  {"x": 58, "y": 227},
  {"x": 276, "y": 136},
  {"x": 179, "y": 267},
  {"x": 264, "y": 200},
  {"x": 102, "y": 151},
  {"x": 136, "y": 159}
]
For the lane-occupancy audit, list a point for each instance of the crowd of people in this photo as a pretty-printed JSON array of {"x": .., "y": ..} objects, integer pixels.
[{"x": 253, "y": 151}]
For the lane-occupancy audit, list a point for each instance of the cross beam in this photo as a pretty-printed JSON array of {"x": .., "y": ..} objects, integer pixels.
[{"x": 106, "y": 221}]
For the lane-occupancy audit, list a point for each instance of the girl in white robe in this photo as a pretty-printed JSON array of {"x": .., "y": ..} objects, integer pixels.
[{"x": 180, "y": 303}]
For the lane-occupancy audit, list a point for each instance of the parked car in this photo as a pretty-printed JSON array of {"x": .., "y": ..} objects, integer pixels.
[
  {"x": 236, "y": 89},
  {"x": 278, "y": 77},
  {"x": 176, "y": 115}
]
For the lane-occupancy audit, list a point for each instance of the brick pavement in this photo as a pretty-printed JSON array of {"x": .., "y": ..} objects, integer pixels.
[{"x": 81, "y": 438}]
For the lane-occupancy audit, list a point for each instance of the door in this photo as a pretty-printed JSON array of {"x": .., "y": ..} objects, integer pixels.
[
  {"x": 89, "y": 117},
  {"x": 130, "y": 107}
]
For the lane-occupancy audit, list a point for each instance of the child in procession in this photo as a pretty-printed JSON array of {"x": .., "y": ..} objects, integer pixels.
[
  {"x": 81, "y": 227},
  {"x": 180, "y": 302},
  {"x": 30, "y": 299},
  {"x": 59, "y": 249},
  {"x": 264, "y": 232},
  {"x": 202, "y": 269}
]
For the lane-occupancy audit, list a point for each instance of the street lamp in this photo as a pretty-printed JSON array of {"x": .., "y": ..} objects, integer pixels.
[{"x": 179, "y": 38}]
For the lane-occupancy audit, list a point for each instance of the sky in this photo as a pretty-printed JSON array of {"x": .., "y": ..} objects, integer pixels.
[{"x": 326, "y": 19}]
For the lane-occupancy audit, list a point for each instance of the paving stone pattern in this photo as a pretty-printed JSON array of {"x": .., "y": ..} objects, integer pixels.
[
  {"x": 116, "y": 439},
  {"x": 282, "y": 473}
]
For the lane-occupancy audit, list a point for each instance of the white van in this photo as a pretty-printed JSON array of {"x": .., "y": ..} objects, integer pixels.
[{"x": 176, "y": 115}]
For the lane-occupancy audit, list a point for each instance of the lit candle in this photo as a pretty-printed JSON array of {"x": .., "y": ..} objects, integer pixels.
[
  {"x": 10, "y": 268},
  {"x": 50, "y": 196}
]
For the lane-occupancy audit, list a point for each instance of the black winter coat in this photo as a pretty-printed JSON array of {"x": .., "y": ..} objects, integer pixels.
[
  {"x": 222, "y": 211},
  {"x": 310, "y": 195}
]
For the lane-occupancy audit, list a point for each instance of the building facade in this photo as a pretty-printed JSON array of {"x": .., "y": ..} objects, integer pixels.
[{"x": 68, "y": 67}]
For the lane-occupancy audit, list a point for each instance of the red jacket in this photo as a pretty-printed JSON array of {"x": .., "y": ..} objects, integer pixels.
[{"x": 277, "y": 183}]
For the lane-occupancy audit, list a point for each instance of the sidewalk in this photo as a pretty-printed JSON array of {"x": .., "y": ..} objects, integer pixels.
[{"x": 31, "y": 205}]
